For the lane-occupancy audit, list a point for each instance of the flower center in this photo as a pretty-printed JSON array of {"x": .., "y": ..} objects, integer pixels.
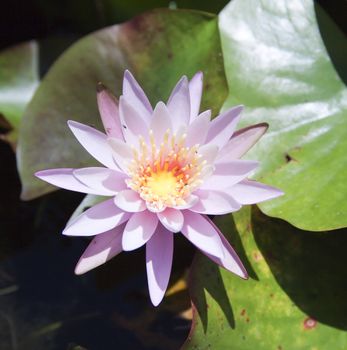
[{"x": 165, "y": 174}]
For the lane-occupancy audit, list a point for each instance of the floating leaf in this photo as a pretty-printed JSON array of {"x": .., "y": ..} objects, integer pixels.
[
  {"x": 158, "y": 47},
  {"x": 294, "y": 299},
  {"x": 277, "y": 66},
  {"x": 19, "y": 78}
]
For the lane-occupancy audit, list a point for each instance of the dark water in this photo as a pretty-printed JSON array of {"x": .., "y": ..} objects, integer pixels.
[{"x": 44, "y": 306}]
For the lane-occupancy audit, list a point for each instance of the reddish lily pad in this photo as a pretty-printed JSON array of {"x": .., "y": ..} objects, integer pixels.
[{"x": 158, "y": 47}]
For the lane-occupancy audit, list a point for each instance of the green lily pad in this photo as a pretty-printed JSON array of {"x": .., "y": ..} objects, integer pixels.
[
  {"x": 158, "y": 47},
  {"x": 294, "y": 299},
  {"x": 277, "y": 66},
  {"x": 19, "y": 77}
]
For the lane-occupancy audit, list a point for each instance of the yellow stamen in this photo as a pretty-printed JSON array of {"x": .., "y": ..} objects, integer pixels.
[{"x": 165, "y": 174}]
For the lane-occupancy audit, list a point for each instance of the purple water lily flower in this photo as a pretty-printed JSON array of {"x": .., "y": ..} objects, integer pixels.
[{"x": 164, "y": 170}]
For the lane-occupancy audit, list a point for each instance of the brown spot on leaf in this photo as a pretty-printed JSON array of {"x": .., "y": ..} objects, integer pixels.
[
  {"x": 257, "y": 256},
  {"x": 243, "y": 312},
  {"x": 310, "y": 323},
  {"x": 247, "y": 319}
]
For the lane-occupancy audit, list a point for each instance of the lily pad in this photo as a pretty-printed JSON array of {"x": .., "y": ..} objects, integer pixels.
[
  {"x": 158, "y": 47},
  {"x": 294, "y": 299},
  {"x": 19, "y": 77},
  {"x": 278, "y": 67}
]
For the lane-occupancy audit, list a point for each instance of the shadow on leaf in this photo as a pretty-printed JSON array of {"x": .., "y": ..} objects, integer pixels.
[{"x": 309, "y": 267}]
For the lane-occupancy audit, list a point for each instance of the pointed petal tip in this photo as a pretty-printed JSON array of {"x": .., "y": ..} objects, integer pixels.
[
  {"x": 39, "y": 173},
  {"x": 184, "y": 79},
  {"x": 100, "y": 87},
  {"x": 155, "y": 302},
  {"x": 73, "y": 123},
  {"x": 79, "y": 270},
  {"x": 240, "y": 107},
  {"x": 128, "y": 75}
]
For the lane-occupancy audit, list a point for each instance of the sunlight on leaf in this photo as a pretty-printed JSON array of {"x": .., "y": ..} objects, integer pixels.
[{"x": 277, "y": 66}]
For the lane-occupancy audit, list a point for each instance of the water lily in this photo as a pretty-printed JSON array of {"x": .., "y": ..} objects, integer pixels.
[{"x": 165, "y": 170}]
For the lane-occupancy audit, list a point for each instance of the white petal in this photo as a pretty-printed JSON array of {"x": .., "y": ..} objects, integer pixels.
[
  {"x": 133, "y": 125},
  {"x": 64, "y": 178},
  {"x": 159, "y": 253},
  {"x": 102, "y": 248},
  {"x": 209, "y": 152},
  {"x": 106, "y": 181},
  {"x": 99, "y": 218},
  {"x": 95, "y": 142},
  {"x": 227, "y": 174},
  {"x": 251, "y": 192},
  {"x": 190, "y": 201},
  {"x": 133, "y": 92},
  {"x": 241, "y": 141},
  {"x": 130, "y": 201},
  {"x": 214, "y": 203},
  {"x": 139, "y": 230},
  {"x": 179, "y": 104},
  {"x": 195, "y": 93},
  {"x": 108, "y": 108},
  {"x": 230, "y": 261},
  {"x": 122, "y": 153},
  {"x": 171, "y": 219},
  {"x": 202, "y": 234},
  {"x": 87, "y": 202},
  {"x": 160, "y": 123},
  {"x": 198, "y": 129},
  {"x": 223, "y": 126}
]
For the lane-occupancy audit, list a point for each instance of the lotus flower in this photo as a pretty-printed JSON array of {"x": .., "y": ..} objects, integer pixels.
[{"x": 165, "y": 170}]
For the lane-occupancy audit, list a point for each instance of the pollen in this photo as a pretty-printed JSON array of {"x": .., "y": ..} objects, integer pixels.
[{"x": 165, "y": 174}]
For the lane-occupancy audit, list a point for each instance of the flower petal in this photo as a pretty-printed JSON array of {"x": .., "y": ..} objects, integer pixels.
[
  {"x": 160, "y": 122},
  {"x": 133, "y": 92},
  {"x": 179, "y": 104},
  {"x": 202, "y": 234},
  {"x": 95, "y": 142},
  {"x": 171, "y": 219},
  {"x": 214, "y": 203},
  {"x": 64, "y": 178},
  {"x": 133, "y": 125},
  {"x": 106, "y": 181},
  {"x": 108, "y": 108},
  {"x": 159, "y": 253},
  {"x": 241, "y": 141},
  {"x": 139, "y": 230},
  {"x": 189, "y": 202},
  {"x": 251, "y": 192},
  {"x": 223, "y": 126},
  {"x": 230, "y": 261},
  {"x": 130, "y": 201},
  {"x": 99, "y": 218},
  {"x": 227, "y": 174},
  {"x": 209, "y": 152},
  {"x": 195, "y": 93},
  {"x": 102, "y": 248},
  {"x": 198, "y": 129},
  {"x": 122, "y": 153}
]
